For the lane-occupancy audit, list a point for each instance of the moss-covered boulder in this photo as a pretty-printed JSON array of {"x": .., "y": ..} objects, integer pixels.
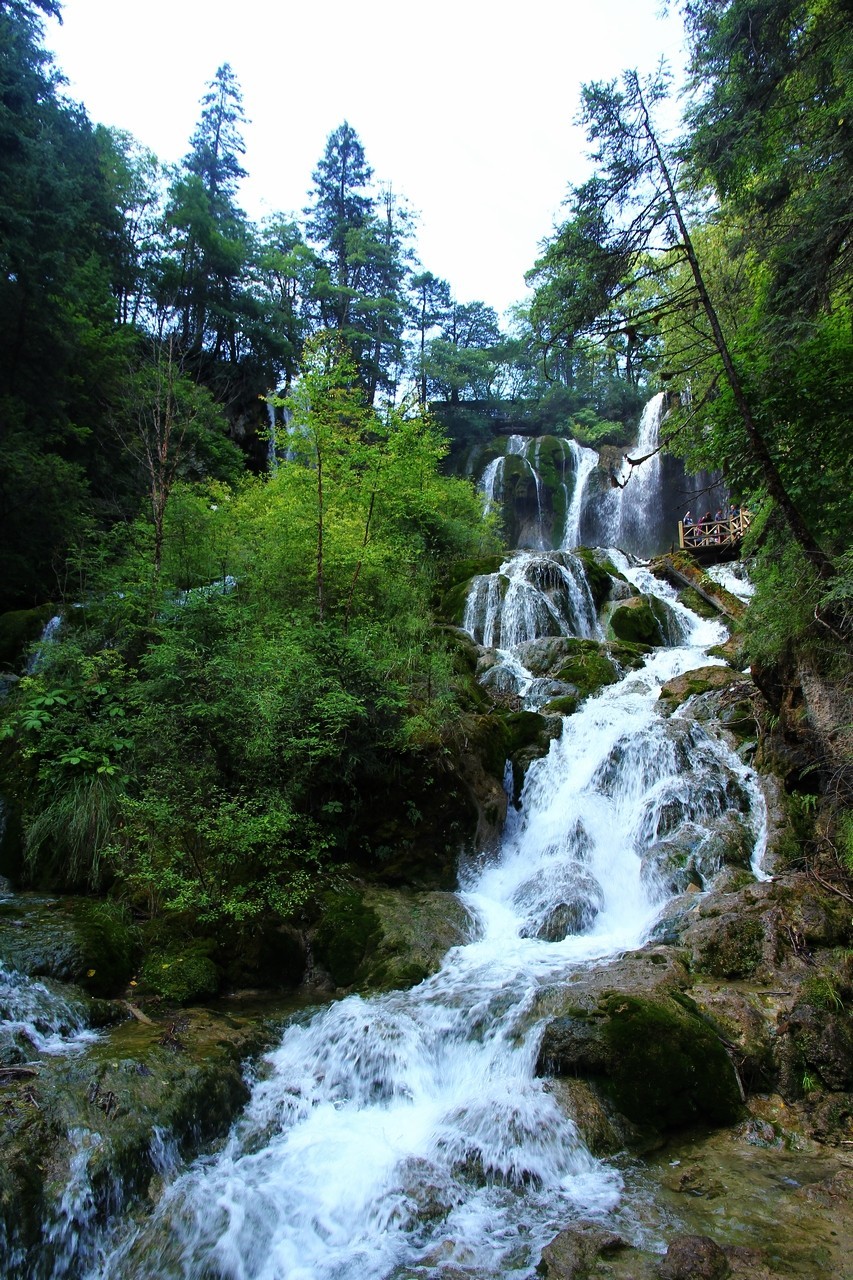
[
  {"x": 385, "y": 939},
  {"x": 349, "y": 930},
  {"x": 415, "y": 932},
  {"x": 693, "y": 683},
  {"x": 635, "y": 621},
  {"x": 89, "y": 941},
  {"x": 183, "y": 974},
  {"x": 650, "y": 1051},
  {"x": 98, "y": 1122}
]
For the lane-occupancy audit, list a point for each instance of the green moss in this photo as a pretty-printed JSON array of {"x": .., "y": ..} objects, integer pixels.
[
  {"x": 462, "y": 571},
  {"x": 736, "y": 949},
  {"x": 525, "y": 728},
  {"x": 600, "y": 582},
  {"x": 347, "y": 931},
  {"x": 182, "y": 975},
  {"x": 588, "y": 667},
  {"x": 635, "y": 622},
  {"x": 665, "y": 1065},
  {"x": 692, "y": 600},
  {"x": 565, "y": 706},
  {"x": 109, "y": 943}
]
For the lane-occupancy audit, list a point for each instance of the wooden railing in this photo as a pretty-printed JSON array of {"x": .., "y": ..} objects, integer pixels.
[{"x": 707, "y": 534}]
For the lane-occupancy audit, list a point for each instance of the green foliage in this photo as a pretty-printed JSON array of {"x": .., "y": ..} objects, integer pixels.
[
  {"x": 110, "y": 943},
  {"x": 183, "y": 974},
  {"x": 206, "y": 737}
]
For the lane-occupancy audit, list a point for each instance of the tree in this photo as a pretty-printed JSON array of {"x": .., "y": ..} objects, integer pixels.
[
  {"x": 770, "y": 130},
  {"x": 362, "y": 247},
  {"x": 330, "y": 417},
  {"x": 430, "y": 302},
  {"x": 461, "y": 360},
  {"x": 631, "y": 213},
  {"x": 202, "y": 277}
]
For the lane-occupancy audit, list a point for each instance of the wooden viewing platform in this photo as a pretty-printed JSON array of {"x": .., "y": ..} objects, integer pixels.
[{"x": 715, "y": 539}]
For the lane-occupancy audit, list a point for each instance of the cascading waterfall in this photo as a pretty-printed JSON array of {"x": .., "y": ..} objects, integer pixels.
[
  {"x": 533, "y": 594},
  {"x": 409, "y": 1131},
  {"x": 584, "y": 462},
  {"x": 626, "y": 514}
]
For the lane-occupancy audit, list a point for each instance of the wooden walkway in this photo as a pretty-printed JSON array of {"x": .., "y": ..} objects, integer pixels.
[{"x": 714, "y": 537}]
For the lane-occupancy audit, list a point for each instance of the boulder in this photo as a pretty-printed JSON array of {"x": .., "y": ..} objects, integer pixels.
[
  {"x": 631, "y": 1029},
  {"x": 385, "y": 939},
  {"x": 635, "y": 622}
]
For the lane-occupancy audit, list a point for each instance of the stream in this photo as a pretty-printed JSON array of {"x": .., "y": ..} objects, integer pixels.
[{"x": 408, "y": 1134}]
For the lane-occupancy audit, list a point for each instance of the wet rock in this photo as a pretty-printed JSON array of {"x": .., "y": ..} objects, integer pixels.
[
  {"x": 693, "y": 683},
  {"x": 97, "y": 1120},
  {"x": 694, "y": 1258},
  {"x": 645, "y": 1045},
  {"x": 91, "y": 942},
  {"x": 823, "y": 1043},
  {"x": 740, "y": 1019},
  {"x": 736, "y": 935},
  {"x": 635, "y": 622},
  {"x": 414, "y": 932},
  {"x": 602, "y": 1129},
  {"x": 573, "y": 1254}
]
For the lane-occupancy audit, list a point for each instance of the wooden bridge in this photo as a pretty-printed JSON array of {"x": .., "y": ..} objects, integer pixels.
[{"x": 714, "y": 539}]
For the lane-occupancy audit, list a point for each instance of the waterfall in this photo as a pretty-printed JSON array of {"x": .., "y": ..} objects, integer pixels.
[
  {"x": 533, "y": 594},
  {"x": 272, "y": 455},
  {"x": 408, "y": 1131},
  {"x": 584, "y": 462},
  {"x": 37, "y": 1016},
  {"x": 491, "y": 483}
]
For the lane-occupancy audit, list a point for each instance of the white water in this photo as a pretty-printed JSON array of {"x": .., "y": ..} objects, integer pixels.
[
  {"x": 409, "y": 1130},
  {"x": 35, "y": 1014},
  {"x": 585, "y": 461},
  {"x": 628, "y": 512},
  {"x": 734, "y": 577},
  {"x": 533, "y": 594}
]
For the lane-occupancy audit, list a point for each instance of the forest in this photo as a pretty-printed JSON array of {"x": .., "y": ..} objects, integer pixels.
[{"x": 227, "y": 449}]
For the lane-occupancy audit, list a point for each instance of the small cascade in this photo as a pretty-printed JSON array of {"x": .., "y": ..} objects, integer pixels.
[
  {"x": 533, "y": 594},
  {"x": 272, "y": 455},
  {"x": 36, "y": 1016},
  {"x": 48, "y": 635},
  {"x": 408, "y": 1133},
  {"x": 734, "y": 577},
  {"x": 584, "y": 462},
  {"x": 491, "y": 484}
]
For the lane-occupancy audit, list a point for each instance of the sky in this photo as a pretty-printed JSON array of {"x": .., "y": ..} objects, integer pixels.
[{"x": 465, "y": 107}]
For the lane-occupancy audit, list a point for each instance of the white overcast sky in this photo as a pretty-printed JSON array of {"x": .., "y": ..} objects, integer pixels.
[{"x": 465, "y": 106}]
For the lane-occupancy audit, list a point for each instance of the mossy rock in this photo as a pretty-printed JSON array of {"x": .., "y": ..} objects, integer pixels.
[
  {"x": 564, "y": 706},
  {"x": 597, "y": 576},
  {"x": 182, "y": 975},
  {"x": 110, "y": 944},
  {"x": 692, "y": 600},
  {"x": 349, "y": 928},
  {"x": 693, "y": 683},
  {"x": 89, "y": 941},
  {"x": 182, "y": 1077},
  {"x": 733, "y": 948},
  {"x": 665, "y": 1065},
  {"x": 462, "y": 571},
  {"x": 524, "y": 728},
  {"x": 416, "y": 930},
  {"x": 588, "y": 667},
  {"x": 634, "y": 621},
  {"x": 20, "y": 628}
]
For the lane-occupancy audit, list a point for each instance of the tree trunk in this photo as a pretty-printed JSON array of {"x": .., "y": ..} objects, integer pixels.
[{"x": 772, "y": 478}]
